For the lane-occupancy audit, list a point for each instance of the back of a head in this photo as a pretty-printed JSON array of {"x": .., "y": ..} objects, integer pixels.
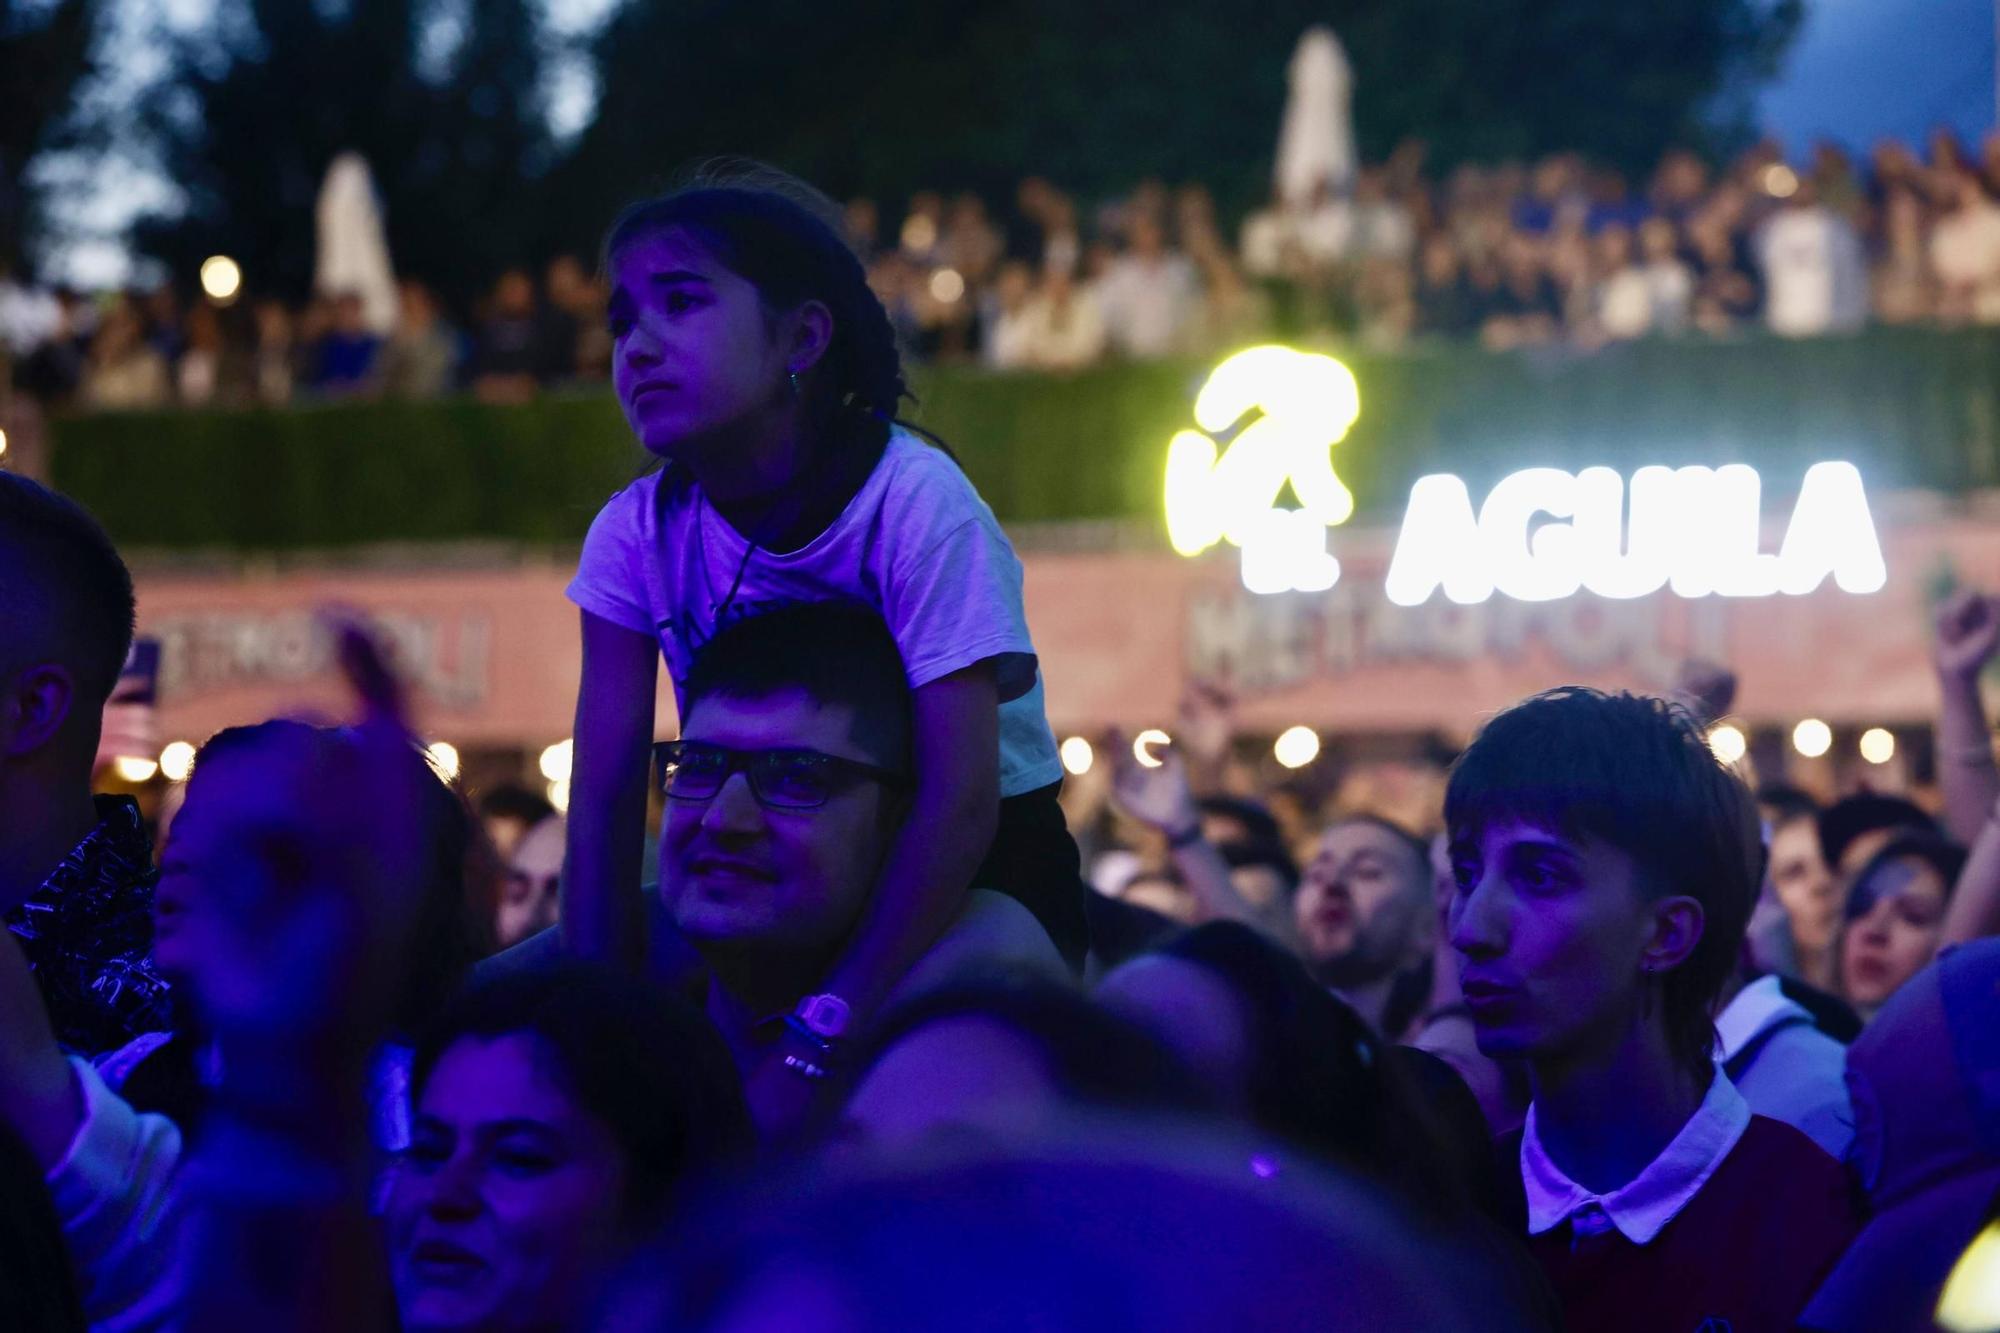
[
  {"x": 66, "y": 597},
  {"x": 636, "y": 1056},
  {"x": 1108, "y": 1226},
  {"x": 1319, "y": 1075},
  {"x": 1636, "y": 773},
  {"x": 1864, "y": 813},
  {"x": 1094, "y": 1057},
  {"x": 835, "y": 653}
]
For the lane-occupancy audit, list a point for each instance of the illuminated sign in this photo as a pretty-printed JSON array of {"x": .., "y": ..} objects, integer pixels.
[
  {"x": 1544, "y": 534},
  {"x": 1299, "y": 405}
]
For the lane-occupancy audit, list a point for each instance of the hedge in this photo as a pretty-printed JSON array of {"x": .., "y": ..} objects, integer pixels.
[{"x": 1912, "y": 408}]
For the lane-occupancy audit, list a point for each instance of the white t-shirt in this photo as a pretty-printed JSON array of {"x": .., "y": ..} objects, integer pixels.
[{"x": 916, "y": 543}]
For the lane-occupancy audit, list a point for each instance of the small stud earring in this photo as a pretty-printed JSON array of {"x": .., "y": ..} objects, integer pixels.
[{"x": 794, "y": 377}]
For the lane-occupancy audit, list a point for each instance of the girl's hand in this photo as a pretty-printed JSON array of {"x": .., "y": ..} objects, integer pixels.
[
  {"x": 1158, "y": 795},
  {"x": 1207, "y": 721},
  {"x": 1968, "y": 631}
]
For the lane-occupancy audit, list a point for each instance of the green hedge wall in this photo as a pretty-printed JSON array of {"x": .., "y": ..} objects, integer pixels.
[{"x": 1912, "y": 408}]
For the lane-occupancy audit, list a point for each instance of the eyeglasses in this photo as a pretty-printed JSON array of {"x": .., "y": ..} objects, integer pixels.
[{"x": 779, "y": 779}]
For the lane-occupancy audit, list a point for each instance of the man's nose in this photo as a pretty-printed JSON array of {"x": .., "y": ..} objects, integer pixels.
[
  {"x": 1476, "y": 921},
  {"x": 733, "y": 808}
]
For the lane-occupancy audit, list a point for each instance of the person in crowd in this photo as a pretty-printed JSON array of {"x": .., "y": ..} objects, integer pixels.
[
  {"x": 1905, "y": 288},
  {"x": 125, "y": 371},
  {"x": 1523, "y": 308},
  {"x": 274, "y": 357},
  {"x": 1813, "y": 270},
  {"x": 574, "y": 323},
  {"x": 1623, "y": 296},
  {"x": 816, "y": 699},
  {"x": 1853, "y": 829},
  {"x": 1926, "y": 1084},
  {"x": 547, "y": 1142},
  {"x": 1669, "y": 281},
  {"x": 1808, "y": 891},
  {"x": 1006, "y": 1059},
  {"x": 1061, "y": 325},
  {"x": 508, "y": 811},
  {"x": 766, "y": 374},
  {"x": 529, "y": 894},
  {"x": 1444, "y": 307},
  {"x": 76, "y": 873},
  {"x": 420, "y": 359},
  {"x": 1003, "y": 343},
  {"x": 1148, "y": 294},
  {"x": 1364, "y": 921},
  {"x": 1965, "y": 255},
  {"x": 511, "y": 356},
  {"x": 198, "y": 377},
  {"x": 1894, "y": 917},
  {"x": 1606, "y": 863},
  {"x": 1773, "y": 1050},
  {"x": 1271, "y": 1045},
  {"x": 1446, "y": 1030},
  {"x": 1966, "y": 635},
  {"x": 345, "y": 359},
  {"x": 1089, "y": 1227}
]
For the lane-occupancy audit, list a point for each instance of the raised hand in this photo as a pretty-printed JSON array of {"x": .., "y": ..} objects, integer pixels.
[
  {"x": 1968, "y": 631},
  {"x": 1708, "y": 690},
  {"x": 1207, "y": 721},
  {"x": 1157, "y": 795}
]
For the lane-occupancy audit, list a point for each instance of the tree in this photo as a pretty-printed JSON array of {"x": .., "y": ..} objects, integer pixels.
[
  {"x": 901, "y": 94},
  {"x": 45, "y": 53},
  {"x": 249, "y": 134}
]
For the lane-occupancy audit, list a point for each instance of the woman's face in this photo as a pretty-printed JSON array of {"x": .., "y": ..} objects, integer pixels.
[
  {"x": 506, "y": 1212},
  {"x": 1895, "y": 934},
  {"x": 695, "y": 353}
]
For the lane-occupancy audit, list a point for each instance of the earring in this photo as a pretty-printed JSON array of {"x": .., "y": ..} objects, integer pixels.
[{"x": 793, "y": 376}]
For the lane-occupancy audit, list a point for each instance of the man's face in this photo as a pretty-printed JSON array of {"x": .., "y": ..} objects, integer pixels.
[
  {"x": 1804, "y": 883},
  {"x": 534, "y": 875},
  {"x": 1363, "y": 907},
  {"x": 735, "y": 873},
  {"x": 1551, "y": 932}
]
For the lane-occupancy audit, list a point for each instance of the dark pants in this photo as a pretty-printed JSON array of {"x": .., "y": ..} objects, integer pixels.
[{"x": 1034, "y": 861}]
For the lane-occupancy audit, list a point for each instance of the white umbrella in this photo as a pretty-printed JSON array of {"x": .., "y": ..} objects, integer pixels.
[
  {"x": 1316, "y": 141},
  {"x": 353, "y": 255}
]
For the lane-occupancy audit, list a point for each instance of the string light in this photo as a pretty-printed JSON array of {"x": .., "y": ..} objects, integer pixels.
[
  {"x": 1297, "y": 747},
  {"x": 1878, "y": 745},
  {"x": 559, "y": 796},
  {"x": 221, "y": 279},
  {"x": 177, "y": 761},
  {"x": 1728, "y": 742},
  {"x": 135, "y": 768},
  {"x": 444, "y": 758},
  {"x": 1143, "y": 743},
  {"x": 557, "y": 761},
  {"x": 1077, "y": 756},
  {"x": 1812, "y": 738},
  {"x": 947, "y": 286}
]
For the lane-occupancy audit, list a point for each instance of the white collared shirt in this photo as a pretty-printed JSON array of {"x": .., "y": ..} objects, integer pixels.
[
  {"x": 1641, "y": 1208},
  {"x": 1788, "y": 1069}
]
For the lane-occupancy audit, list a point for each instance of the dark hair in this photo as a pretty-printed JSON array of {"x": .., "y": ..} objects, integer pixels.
[
  {"x": 510, "y": 800},
  {"x": 451, "y": 931},
  {"x": 1864, "y": 813},
  {"x": 836, "y": 653},
  {"x": 1935, "y": 850},
  {"x": 1319, "y": 1076},
  {"x": 1267, "y": 855},
  {"x": 1787, "y": 803},
  {"x": 1259, "y": 825},
  {"x": 1637, "y": 773},
  {"x": 1416, "y": 845},
  {"x": 636, "y": 1056},
  {"x": 1093, "y": 1055},
  {"x": 785, "y": 239},
  {"x": 62, "y": 571}
]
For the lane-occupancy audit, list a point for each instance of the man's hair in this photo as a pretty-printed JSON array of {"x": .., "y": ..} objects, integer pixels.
[
  {"x": 1935, "y": 850},
  {"x": 1269, "y": 855},
  {"x": 510, "y": 800},
  {"x": 1259, "y": 824},
  {"x": 64, "y": 586},
  {"x": 1638, "y": 774},
  {"x": 1787, "y": 803},
  {"x": 835, "y": 653},
  {"x": 1864, "y": 813}
]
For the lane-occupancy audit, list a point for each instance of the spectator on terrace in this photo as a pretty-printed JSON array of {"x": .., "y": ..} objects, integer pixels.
[
  {"x": 1147, "y": 295},
  {"x": 1905, "y": 286},
  {"x": 272, "y": 361},
  {"x": 420, "y": 359},
  {"x": 1965, "y": 255},
  {"x": 198, "y": 378},
  {"x": 345, "y": 359},
  {"x": 1063, "y": 325},
  {"x": 511, "y": 356},
  {"x": 1444, "y": 305},
  {"x": 575, "y": 325},
  {"x": 125, "y": 371},
  {"x": 1812, "y": 269}
]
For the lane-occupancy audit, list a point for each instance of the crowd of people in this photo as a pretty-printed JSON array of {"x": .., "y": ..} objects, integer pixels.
[
  {"x": 1555, "y": 252},
  {"x": 1609, "y": 1042}
]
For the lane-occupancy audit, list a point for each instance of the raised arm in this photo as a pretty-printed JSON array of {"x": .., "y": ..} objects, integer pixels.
[
  {"x": 1968, "y": 629},
  {"x": 603, "y": 912},
  {"x": 1161, "y": 797}
]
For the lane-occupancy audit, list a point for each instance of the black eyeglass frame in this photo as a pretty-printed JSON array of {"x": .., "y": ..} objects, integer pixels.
[{"x": 668, "y": 756}]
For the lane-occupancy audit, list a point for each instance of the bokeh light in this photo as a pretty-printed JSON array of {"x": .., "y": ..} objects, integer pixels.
[
  {"x": 1728, "y": 742},
  {"x": 557, "y": 761},
  {"x": 1780, "y": 181},
  {"x": 1077, "y": 756},
  {"x": 1143, "y": 743},
  {"x": 1297, "y": 747},
  {"x": 1812, "y": 738},
  {"x": 1878, "y": 745},
  {"x": 559, "y": 796},
  {"x": 948, "y": 286},
  {"x": 177, "y": 761},
  {"x": 135, "y": 768},
  {"x": 444, "y": 758},
  {"x": 221, "y": 279}
]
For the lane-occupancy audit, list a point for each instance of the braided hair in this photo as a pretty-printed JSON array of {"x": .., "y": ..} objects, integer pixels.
[{"x": 784, "y": 238}]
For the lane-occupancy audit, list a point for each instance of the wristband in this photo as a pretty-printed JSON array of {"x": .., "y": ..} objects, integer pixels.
[
  {"x": 1186, "y": 838},
  {"x": 807, "y": 1069}
]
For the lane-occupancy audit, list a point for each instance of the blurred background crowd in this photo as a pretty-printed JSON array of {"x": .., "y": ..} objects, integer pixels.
[{"x": 1555, "y": 252}]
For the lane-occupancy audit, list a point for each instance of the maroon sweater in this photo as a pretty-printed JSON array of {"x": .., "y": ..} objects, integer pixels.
[{"x": 1744, "y": 1256}]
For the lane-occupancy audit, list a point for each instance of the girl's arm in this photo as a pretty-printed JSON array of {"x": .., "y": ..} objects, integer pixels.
[
  {"x": 1968, "y": 627},
  {"x": 1162, "y": 798},
  {"x": 950, "y": 827},
  {"x": 1974, "y": 910},
  {"x": 603, "y": 911}
]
